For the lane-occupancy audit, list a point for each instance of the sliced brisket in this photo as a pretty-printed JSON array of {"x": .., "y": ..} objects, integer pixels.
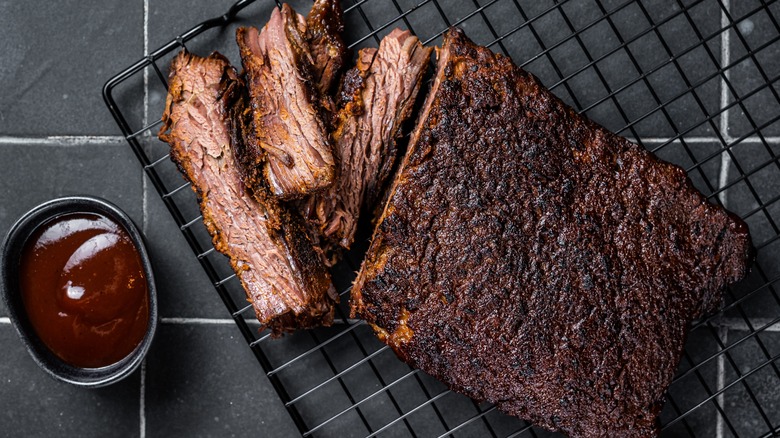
[
  {"x": 288, "y": 118},
  {"x": 324, "y": 29},
  {"x": 377, "y": 96},
  {"x": 205, "y": 114},
  {"x": 531, "y": 258}
]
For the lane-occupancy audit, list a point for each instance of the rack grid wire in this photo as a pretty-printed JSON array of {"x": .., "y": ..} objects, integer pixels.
[{"x": 694, "y": 81}]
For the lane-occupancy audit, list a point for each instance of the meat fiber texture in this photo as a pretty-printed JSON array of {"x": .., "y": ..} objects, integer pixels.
[
  {"x": 376, "y": 98},
  {"x": 530, "y": 258},
  {"x": 324, "y": 35},
  {"x": 288, "y": 116},
  {"x": 283, "y": 277}
]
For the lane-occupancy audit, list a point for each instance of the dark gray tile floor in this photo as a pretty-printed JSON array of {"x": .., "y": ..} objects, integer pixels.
[
  {"x": 33, "y": 404},
  {"x": 200, "y": 379},
  {"x": 58, "y": 55}
]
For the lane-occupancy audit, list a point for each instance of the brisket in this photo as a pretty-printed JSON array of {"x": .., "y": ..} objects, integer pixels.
[
  {"x": 377, "y": 96},
  {"x": 324, "y": 29},
  {"x": 288, "y": 117},
  {"x": 206, "y": 114},
  {"x": 530, "y": 258}
]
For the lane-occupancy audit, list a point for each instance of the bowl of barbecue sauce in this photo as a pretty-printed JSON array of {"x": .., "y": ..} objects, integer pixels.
[{"x": 79, "y": 289}]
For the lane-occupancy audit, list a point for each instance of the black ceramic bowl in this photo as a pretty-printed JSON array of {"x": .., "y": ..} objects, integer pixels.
[{"x": 9, "y": 286}]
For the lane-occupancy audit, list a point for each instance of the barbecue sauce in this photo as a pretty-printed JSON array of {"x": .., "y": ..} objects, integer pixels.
[{"x": 84, "y": 289}]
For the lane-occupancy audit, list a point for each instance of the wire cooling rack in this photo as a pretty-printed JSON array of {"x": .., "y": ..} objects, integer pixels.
[{"x": 696, "y": 82}]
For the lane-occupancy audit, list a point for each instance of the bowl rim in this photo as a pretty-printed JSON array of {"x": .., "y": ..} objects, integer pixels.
[{"x": 17, "y": 238}]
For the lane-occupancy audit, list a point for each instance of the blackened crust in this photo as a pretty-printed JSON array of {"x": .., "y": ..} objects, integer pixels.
[
  {"x": 324, "y": 34},
  {"x": 530, "y": 258}
]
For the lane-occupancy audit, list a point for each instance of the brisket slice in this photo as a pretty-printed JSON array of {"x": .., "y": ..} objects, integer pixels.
[
  {"x": 324, "y": 29},
  {"x": 288, "y": 117},
  {"x": 530, "y": 258},
  {"x": 377, "y": 96},
  {"x": 284, "y": 279}
]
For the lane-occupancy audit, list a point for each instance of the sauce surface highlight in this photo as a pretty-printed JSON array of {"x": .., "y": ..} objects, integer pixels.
[{"x": 84, "y": 289}]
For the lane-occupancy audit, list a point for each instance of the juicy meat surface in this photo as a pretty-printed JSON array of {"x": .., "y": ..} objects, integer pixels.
[
  {"x": 324, "y": 29},
  {"x": 283, "y": 278},
  {"x": 530, "y": 258},
  {"x": 376, "y": 98},
  {"x": 288, "y": 118}
]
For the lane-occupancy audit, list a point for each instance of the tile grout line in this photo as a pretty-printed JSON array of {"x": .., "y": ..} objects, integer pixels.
[
  {"x": 669, "y": 139},
  {"x": 61, "y": 140},
  {"x": 739, "y": 324},
  {"x": 702, "y": 139},
  {"x": 725, "y": 56},
  {"x": 723, "y": 177},
  {"x": 144, "y": 221},
  {"x": 144, "y": 200},
  {"x": 146, "y": 69},
  {"x": 723, "y": 333}
]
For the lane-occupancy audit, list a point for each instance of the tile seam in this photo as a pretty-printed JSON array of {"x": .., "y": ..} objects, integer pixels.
[
  {"x": 62, "y": 140},
  {"x": 704, "y": 139},
  {"x": 144, "y": 214},
  {"x": 725, "y": 56},
  {"x": 725, "y": 164},
  {"x": 144, "y": 198},
  {"x": 739, "y": 324},
  {"x": 146, "y": 69}
]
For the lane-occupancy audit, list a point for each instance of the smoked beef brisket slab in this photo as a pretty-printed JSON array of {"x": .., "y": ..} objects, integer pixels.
[
  {"x": 288, "y": 116},
  {"x": 530, "y": 258},
  {"x": 376, "y": 98},
  {"x": 203, "y": 123}
]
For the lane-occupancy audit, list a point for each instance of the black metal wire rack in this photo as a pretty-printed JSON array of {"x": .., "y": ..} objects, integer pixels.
[{"x": 694, "y": 81}]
